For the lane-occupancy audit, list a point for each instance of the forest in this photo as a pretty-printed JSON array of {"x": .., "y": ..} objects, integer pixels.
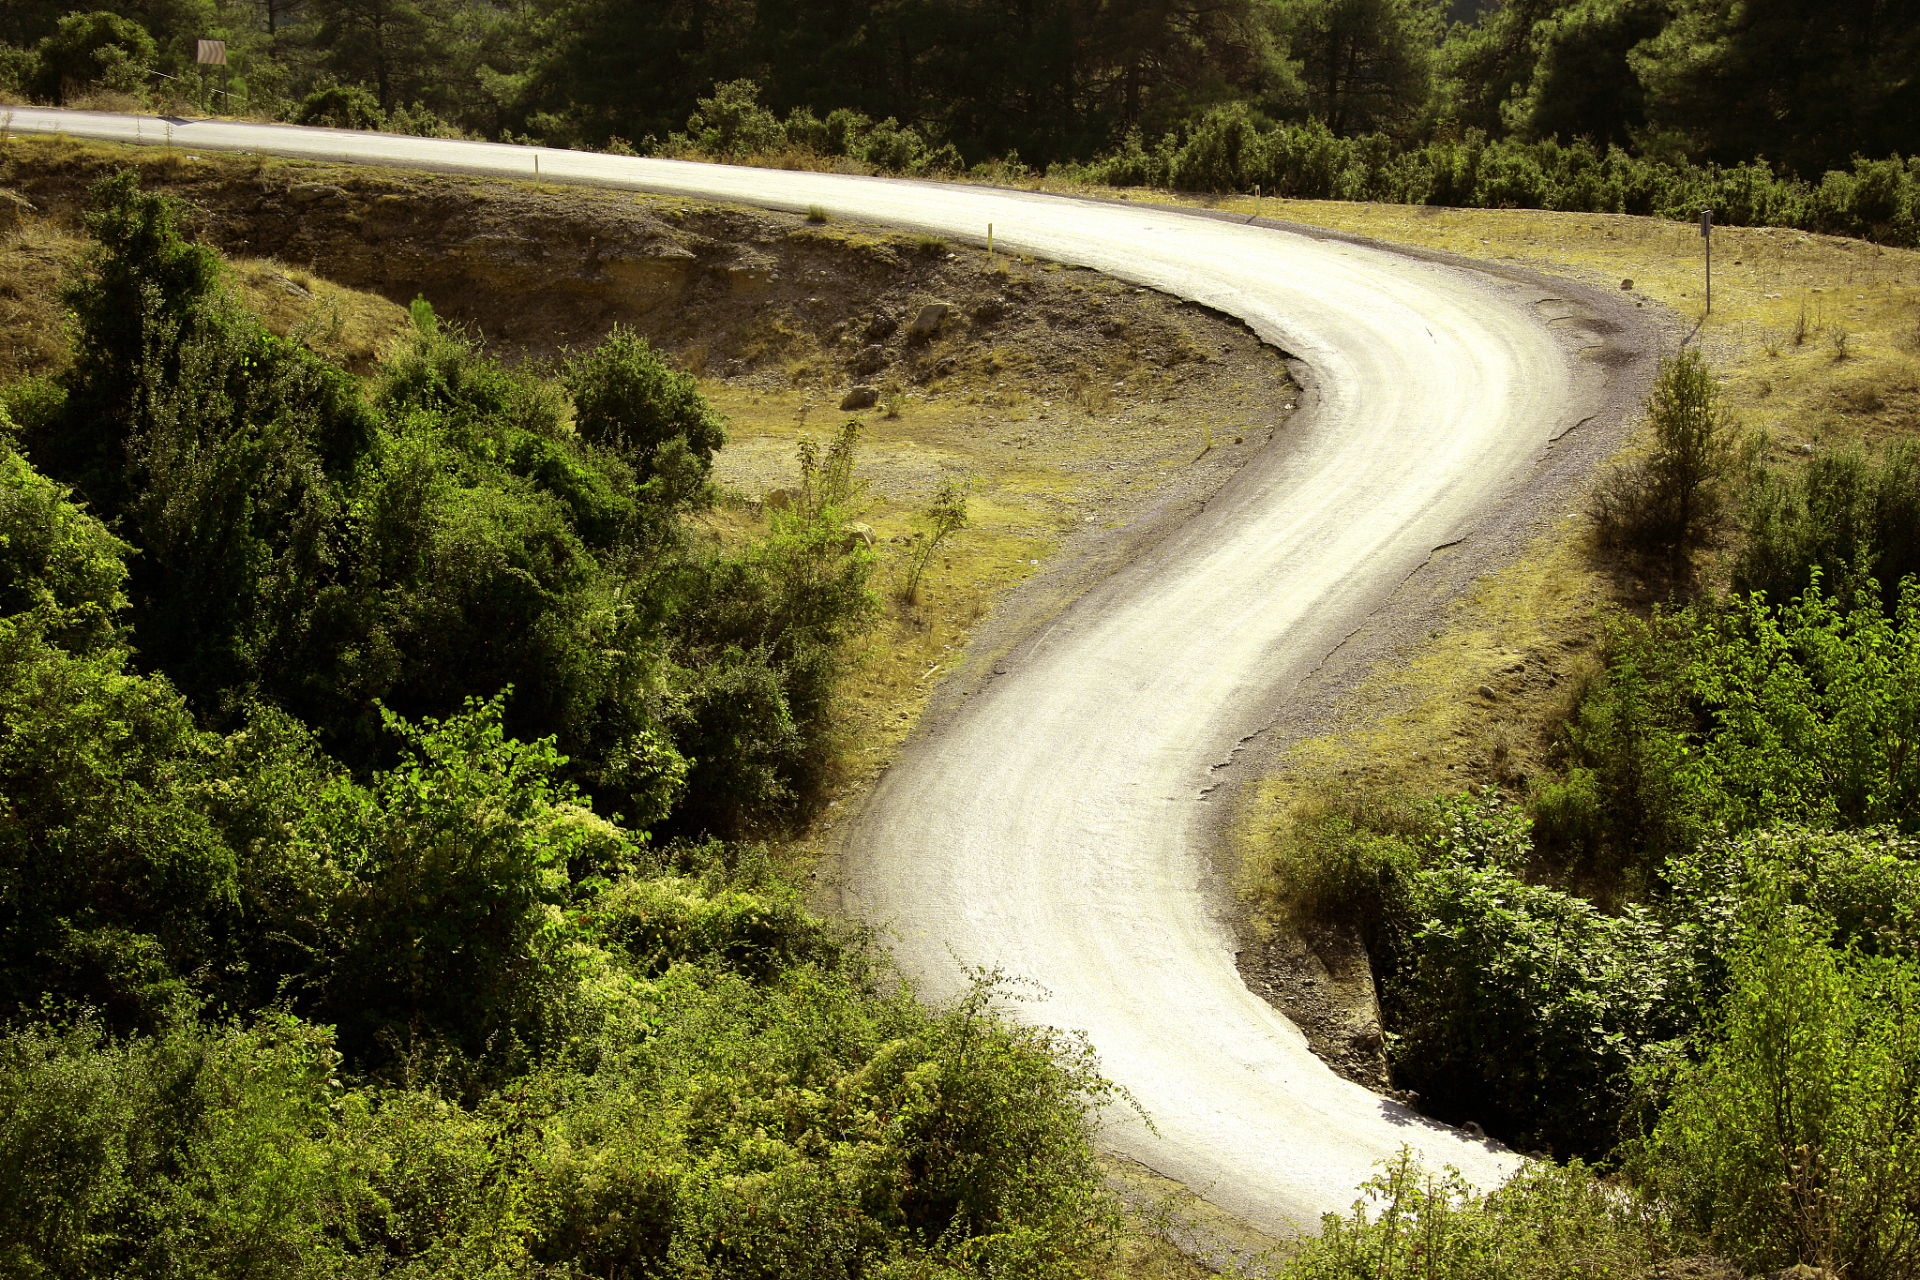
[{"x": 1776, "y": 112}]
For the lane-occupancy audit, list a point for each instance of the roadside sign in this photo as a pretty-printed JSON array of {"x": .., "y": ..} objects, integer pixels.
[
  {"x": 1706, "y": 224},
  {"x": 213, "y": 53}
]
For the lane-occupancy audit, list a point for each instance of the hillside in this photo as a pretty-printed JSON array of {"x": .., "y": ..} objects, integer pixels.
[{"x": 1823, "y": 375}]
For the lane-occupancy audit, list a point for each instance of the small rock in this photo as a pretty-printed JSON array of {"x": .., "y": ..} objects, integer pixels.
[
  {"x": 880, "y": 328},
  {"x": 927, "y": 321},
  {"x": 1486, "y": 691},
  {"x": 13, "y": 210},
  {"x": 869, "y": 361},
  {"x": 855, "y": 535},
  {"x": 990, "y": 310},
  {"x": 860, "y": 398},
  {"x": 313, "y": 192},
  {"x": 1473, "y": 1127},
  {"x": 781, "y": 499},
  {"x": 1626, "y": 284}
]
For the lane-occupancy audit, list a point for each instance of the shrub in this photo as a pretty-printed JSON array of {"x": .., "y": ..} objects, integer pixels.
[
  {"x": 341, "y": 106},
  {"x": 1547, "y": 1222},
  {"x": 1675, "y": 499},
  {"x": 1797, "y": 1138},
  {"x": 629, "y": 399},
  {"x": 1332, "y": 870},
  {"x": 1526, "y": 1009},
  {"x": 88, "y": 49},
  {"x": 946, "y": 515},
  {"x": 1855, "y": 517},
  {"x": 1634, "y": 793},
  {"x": 1809, "y": 708},
  {"x": 57, "y": 560},
  {"x": 732, "y": 123},
  {"x": 760, "y": 639}
]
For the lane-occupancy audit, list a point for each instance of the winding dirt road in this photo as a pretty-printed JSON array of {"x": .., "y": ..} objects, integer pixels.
[{"x": 1056, "y": 825}]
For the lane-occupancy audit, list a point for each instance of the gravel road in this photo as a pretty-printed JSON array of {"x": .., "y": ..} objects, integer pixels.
[{"x": 1057, "y": 824}]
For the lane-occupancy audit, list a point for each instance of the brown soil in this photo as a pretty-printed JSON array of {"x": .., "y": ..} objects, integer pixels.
[{"x": 1321, "y": 978}]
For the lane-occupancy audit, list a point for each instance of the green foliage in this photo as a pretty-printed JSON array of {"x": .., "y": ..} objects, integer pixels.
[
  {"x": 1845, "y": 513},
  {"x": 1810, "y": 85},
  {"x": 445, "y": 930},
  {"x": 760, "y": 639},
  {"x": 341, "y": 106},
  {"x": 1674, "y": 499},
  {"x": 1366, "y": 65},
  {"x": 732, "y": 123},
  {"x": 1549, "y": 1221},
  {"x": 1796, "y": 1138},
  {"x": 301, "y": 547},
  {"x": 113, "y": 880},
  {"x": 1334, "y": 869},
  {"x": 188, "y": 1152},
  {"x": 1232, "y": 150},
  {"x": 1631, "y": 795},
  {"x": 1741, "y": 716},
  {"x": 1526, "y": 1009},
  {"x": 56, "y": 561},
  {"x": 946, "y": 515},
  {"x": 800, "y": 1127},
  {"x": 1517, "y": 1006},
  {"x": 628, "y": 399},
  {"x": 88, "y": 49}
]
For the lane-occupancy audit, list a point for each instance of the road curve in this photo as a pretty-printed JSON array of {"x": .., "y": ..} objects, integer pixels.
[{"x": 1055, "y": 826}]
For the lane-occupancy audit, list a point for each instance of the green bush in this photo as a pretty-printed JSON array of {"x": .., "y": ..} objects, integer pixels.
[
  {"x": 114, "y": 882},
  {"x": 1855, "y": 518},
  {"x": 1674, "y": 499},
  {"x": 89, "y": 49},
  {"x": 1526, "y": 1009},
  {"x": 1796, "y": 1138},
  {"x": 732, "y": 123},
  {"x": 184, "y": 1153},
  {"x": 628, "y": 399},
  {"x": 1808, "y": 710},
  {"x": 1633, "y": 794},
  {"x": 1547, "y": 1222},
  {"x": 1332, "y": 870},
  {"x": 760, "y": 640},
  {"x": 341, "y": 106},
  {"x": 56, "y": 560},
  {"x": 1230, "y": 149}
]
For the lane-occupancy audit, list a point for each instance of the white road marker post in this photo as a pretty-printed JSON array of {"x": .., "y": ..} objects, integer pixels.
[{"x": 989, "y": 241}]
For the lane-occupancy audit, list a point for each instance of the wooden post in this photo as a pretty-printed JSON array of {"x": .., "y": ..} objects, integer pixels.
[{"x": 1706, "y": 233}]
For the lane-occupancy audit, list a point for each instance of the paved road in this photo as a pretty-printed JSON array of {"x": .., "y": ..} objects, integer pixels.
[{"x": 1056, "y": 825}]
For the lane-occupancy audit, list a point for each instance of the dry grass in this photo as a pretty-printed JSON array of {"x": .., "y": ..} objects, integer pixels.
[
  {"x": 1049, "y": 463},
  {"x": 349, "y": 326},
  {"x": 34, "y": 257}
]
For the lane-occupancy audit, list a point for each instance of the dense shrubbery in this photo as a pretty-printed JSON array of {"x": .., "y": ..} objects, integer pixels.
[
  {"x": 1231, "y": 150},
  {"x": 301, "y": 546}
]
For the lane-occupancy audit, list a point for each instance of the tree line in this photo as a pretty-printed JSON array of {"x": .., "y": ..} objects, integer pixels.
[{"x": 1801, "y": 87}]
